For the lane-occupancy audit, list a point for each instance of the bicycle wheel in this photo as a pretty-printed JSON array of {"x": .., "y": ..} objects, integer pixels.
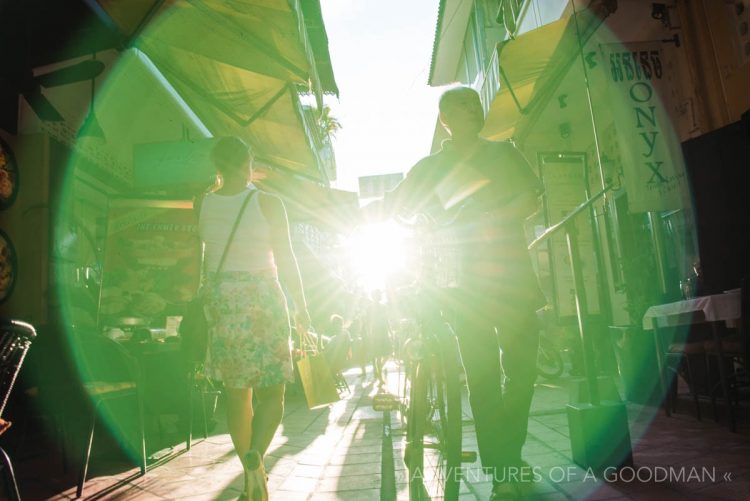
[
  {"x": 418, "y": 416},
  {"x": 549, "y": 362},
  {"x": 448, "y": 388},
  {"x": 433, "y": 450}
]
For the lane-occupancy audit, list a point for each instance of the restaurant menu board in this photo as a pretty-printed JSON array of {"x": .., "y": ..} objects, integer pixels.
[
  {"x": 8, "y": 266},
  {"x": 565, "y": 187},
  {"x": 151, "y": 260},
  {"x": 8, "y": 176}
]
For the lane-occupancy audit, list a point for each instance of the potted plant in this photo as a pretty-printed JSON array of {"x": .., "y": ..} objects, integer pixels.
[{"x": 634, "y": 347}]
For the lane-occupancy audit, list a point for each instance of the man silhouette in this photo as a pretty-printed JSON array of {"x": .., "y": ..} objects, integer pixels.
[{"x": 495, "y": 301}]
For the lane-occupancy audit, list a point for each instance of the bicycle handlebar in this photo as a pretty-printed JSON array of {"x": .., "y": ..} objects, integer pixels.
[{"x": 422, "y": 219}]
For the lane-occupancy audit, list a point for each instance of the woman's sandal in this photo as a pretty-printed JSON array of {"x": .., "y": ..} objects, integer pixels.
[
  {"x": 243, "y": 496},
  {"x": 256, "y": 488}
]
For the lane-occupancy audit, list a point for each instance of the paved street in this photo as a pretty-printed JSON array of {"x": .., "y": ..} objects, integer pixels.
[{"x": 337, "y": 453}]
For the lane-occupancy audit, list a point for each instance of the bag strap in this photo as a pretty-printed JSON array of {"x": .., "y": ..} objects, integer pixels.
[{"x": 234, "y": 230}]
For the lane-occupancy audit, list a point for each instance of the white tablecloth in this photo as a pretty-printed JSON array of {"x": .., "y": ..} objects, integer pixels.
[{"x": 712, "y": 308}]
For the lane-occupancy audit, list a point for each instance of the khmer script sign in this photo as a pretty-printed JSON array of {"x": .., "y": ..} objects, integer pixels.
[{"x": 642, "y": 95}]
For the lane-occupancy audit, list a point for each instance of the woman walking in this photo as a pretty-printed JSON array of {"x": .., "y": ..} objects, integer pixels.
[{"x": 249, "y": 337}]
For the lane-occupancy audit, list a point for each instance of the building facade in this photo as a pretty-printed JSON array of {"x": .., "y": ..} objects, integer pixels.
[{"x": 622, "y": 97}]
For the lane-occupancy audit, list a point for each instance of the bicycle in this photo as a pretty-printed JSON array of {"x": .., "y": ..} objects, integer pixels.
[
  {"x": 434, "y": 411},
  {"x": 549, "y": 361},
  {"x": 430, "y": 402}
]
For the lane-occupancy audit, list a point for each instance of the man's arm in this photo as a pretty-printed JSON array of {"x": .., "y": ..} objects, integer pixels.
[
  {"x": 406, "y": 199},
  {"x": 523, "y": 206}
]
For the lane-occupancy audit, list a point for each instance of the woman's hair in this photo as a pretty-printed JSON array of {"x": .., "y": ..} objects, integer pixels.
[{"x": 230, "y": 153}]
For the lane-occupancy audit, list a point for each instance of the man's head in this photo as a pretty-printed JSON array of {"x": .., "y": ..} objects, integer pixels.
[
  {"x": 232, "y": 157},
  {"x": 461, "y": 112}
]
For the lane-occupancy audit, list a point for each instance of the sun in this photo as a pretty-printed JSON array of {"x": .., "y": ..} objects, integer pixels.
[{"x": 376, "y": 252}]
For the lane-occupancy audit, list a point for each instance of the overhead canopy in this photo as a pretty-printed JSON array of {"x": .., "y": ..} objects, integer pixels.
[
  {"x": 265, "y": 36},
  {"x": 237, "y": 64},
  {"x": 258, "y": 36},
  {"x": 316, "y": 30},
  {"x": 522, "y": 66},
  {"x": 533, "y": 65},
  {"x": 264, "y": 110}
]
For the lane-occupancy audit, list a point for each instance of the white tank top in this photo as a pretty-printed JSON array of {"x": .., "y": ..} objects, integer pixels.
[{"x": 251, "y": 247}]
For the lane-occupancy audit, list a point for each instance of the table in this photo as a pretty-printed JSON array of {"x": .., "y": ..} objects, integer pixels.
[
  {"x": 170, "y": 383},
  {"x": 715, "y": 309},
  {"x": 164, "y": 382}
]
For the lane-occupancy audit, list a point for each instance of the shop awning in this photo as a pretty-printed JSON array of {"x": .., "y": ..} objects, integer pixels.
[
  {"x": 531, "y": 66},
  {"x": 262, "y": 109},
  {"x": 262, "y": 36},
  {"x": 238, "y": 65}
]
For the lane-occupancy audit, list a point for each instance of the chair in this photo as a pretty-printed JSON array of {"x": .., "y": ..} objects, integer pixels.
[
  {"x": 15, "y": 340},
  {"x": 681, "y": 355},
  {"x": 728, "y": 352},
  {"x": 198, "y": 383},
  {"x": 109, "y": 372}
]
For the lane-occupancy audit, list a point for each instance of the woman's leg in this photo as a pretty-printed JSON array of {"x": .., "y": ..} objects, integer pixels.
[
  {"x": 240, "y": 421},
  {"x": 240, "y": 418},
  {"x": 270, "y": 410}
]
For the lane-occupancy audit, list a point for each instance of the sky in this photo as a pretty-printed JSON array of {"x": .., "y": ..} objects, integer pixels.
[{"x": 380, "y": 52}]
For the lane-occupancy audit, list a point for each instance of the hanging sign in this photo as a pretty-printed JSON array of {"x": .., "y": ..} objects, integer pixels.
[{"x": 642, "y": 93}]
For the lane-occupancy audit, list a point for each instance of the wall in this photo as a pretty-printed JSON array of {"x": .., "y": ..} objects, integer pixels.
[
  {"x": 717, "y": 41},
  {"x": 133, "y": 104},
  {"x": 27, "y": 226},
  {"x": 566, "y": 124}
]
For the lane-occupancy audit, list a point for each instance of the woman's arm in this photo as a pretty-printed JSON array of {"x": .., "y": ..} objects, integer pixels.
[{"x": 286, "y": 263}]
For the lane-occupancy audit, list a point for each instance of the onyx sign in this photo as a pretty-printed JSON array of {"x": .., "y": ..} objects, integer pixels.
[{"x": 640, "y": 89}]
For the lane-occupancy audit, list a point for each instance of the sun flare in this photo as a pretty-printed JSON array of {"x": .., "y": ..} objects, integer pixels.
[{"x": 377, "y": 251}]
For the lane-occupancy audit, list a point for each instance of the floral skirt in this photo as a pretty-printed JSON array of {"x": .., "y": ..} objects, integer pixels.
[{"x": 249, "y": 333}]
